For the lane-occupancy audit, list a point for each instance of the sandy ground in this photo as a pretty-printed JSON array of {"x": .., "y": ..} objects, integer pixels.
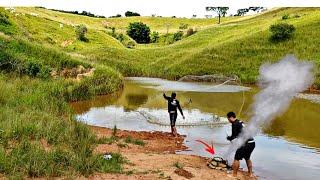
[{"x": 156, "y": 159}]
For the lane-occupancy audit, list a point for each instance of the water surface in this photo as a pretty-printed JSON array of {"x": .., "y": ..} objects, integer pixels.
[{"x": 287, "y": 149}]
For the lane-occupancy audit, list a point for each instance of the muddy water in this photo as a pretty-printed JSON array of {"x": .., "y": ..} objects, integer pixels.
[{"x": 287, "y": 149}]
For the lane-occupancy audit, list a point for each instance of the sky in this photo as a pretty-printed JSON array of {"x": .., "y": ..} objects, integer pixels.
[{"x": 179, "y": 8}]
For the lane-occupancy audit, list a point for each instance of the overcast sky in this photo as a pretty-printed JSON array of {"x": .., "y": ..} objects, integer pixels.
[{"x": 179, "y": 8}]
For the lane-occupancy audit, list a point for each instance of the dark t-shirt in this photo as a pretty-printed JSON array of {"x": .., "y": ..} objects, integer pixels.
[
  {"x": 237, "y": 127},
  {"x": 173, "y": 105}
]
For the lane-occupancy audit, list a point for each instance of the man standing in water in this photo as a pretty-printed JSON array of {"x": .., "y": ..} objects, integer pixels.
[
  {"x": 245, "y": 150},
  {"x": 173, "y": 104}
]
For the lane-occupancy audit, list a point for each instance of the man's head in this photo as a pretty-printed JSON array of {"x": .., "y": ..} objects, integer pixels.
[
  {"x": 231, "y": 116},
  {"x": 173, "y": 95}
]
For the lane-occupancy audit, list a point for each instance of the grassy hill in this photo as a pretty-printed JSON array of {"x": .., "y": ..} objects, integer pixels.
[
  {"x": 34, "y": 42},
  {"x": 160, "y": 24},
  {"x": 237, "y": 46}
]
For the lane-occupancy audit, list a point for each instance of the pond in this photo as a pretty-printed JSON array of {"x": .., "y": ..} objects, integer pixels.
[{"x": 287, "y": 149}]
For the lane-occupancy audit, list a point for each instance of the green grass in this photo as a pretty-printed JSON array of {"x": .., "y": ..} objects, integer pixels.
[
  {"x": 156, "y": 23},
  {"x": 35, "y": 108},
  {"x": 131, "y": 140},
  {"x": 237, "y": 46},
  {"x": 178, "y": 165},
  {"x": 29, "y": 114},
  {"x": 232, "y": 48}
]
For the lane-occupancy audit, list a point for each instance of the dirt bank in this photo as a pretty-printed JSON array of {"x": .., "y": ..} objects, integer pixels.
[{"x": 157, "y": 158}]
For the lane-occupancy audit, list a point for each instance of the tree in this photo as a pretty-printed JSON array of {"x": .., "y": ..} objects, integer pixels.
[
  {"x": 256, "y": 8},
  {"x": 242, "y": 12},
  {"x": 221, "y": 11},
  {"x": 139, "y": 31},
  {"x": 129, "y": 14}
]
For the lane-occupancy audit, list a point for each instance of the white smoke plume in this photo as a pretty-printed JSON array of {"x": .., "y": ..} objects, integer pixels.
[{"x": 279, "y": 83}]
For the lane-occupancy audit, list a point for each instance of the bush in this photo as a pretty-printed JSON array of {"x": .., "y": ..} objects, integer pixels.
[
  {"x": 4, "y": 19},
  {"x": 154, "y": 37},
  {"x": 190, "y": 32},
  {"x": 130, "y": 44},
  {"x": 177, "y": 36},
  {"x": 129, "y": 14},
  {"x": 139, "y": 31},
  {"x": 81, "y": 31},
  {"x": 281, "y": 32},
  {"x": 286, "y": 16},
  {"x": 183, "y": 26},
  {"x": 32, "y": 69}
]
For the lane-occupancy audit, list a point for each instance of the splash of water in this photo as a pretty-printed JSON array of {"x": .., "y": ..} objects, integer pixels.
[{"x": 280, "y": 83}]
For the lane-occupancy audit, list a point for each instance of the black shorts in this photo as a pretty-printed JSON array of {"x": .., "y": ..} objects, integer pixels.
[
  {"x": 245, "y": 151},
  {"x": 173, "y": 118}
]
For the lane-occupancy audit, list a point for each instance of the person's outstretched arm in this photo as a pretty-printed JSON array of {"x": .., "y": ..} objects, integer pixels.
[
  {"x": 166, "y": 97},
  {"x": 180, "y": 109}
]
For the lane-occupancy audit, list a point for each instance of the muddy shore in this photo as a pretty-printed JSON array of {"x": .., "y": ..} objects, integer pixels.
[{"x": 157, "y": 158}]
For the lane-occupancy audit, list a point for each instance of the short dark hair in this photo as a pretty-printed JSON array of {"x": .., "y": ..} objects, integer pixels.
[
  {"x": 231, "y": 114},
  {"x": 173, "y": 95}
]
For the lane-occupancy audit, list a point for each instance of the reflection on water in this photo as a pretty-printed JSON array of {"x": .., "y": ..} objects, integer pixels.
[{"x": 287, "y": 149}]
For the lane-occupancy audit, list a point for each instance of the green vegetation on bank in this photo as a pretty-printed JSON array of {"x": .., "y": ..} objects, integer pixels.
[{"x": 38, "y": 133}]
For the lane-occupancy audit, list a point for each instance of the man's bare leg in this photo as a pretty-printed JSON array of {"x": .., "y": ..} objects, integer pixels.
[
  {"x": 235, "y": 167},
  {"x": 172, "y": 130},
  {"x": 175, "y": 131},
  {"x": 249, "y": 165}
]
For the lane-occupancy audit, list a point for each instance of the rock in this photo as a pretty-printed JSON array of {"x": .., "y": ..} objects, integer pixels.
[
  {"x": 81, "y": 69},
  {"x": 222, "y": 165},
  {"x": 73, "y": 72},
  {"x": 88, "y": 74},
  {"x": 218, "y": 78},
  {"x": 64, "y": 73},
  {"x": 54, "y": 73},
  {"x": 214, "y": 163}
]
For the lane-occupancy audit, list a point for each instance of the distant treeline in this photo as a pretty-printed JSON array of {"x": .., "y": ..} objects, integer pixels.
[{"x": 83, "y": 13}]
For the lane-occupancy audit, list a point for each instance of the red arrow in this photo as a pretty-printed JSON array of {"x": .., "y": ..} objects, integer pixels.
[{"x": 209, "y": 148}]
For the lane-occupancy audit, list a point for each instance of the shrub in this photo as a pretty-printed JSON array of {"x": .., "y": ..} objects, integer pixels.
[
  {"x": 4, "y": 19},
  {"x": 129, "y": 14},
  {"x": 183, "y": 26},
  {"x": 177, "y": 36},
  {"x": 130, "y": 44},
  {"x": 81, "y": 31},
  {"x": 32, "y": 69},
  {"x": 120, "y": 37},
  {"x": 154, "y": 37},
  {"x": 286, "y": 16},
  {"x": 190, "y": 32},
  {"x": 296, "y": 16},
  {"x": 139, "y": 31},
  {"x": 281, "y": 32}
]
